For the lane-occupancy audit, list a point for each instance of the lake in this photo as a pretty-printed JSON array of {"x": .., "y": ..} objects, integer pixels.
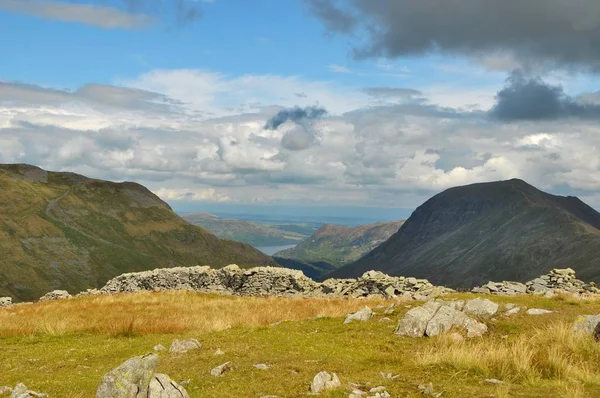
[{"x": 270, "y": 250}]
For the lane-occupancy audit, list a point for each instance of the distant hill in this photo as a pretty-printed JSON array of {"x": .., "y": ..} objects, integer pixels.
[
  {"x": 66, "y": 231},
  {"x": 506, "y": 230},
  {"x": 333, "y": 246},
  {"x": 248, "y": 232}
]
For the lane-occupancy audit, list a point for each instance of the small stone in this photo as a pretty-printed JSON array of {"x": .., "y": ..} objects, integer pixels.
[
  {"x": 159, "y": 347},
  {"x": 493, "y": 381},
  {"x": 221, "y": 369},
  {"x": 385, "y": 319},
  {"x": 21, "y": 391},
  {"x": 262, "y": 366},
  {"x": 377, "y": 389},
  {"x": 324, "y": 381},
  {"x": 426, "y": 389},
  {"x": 219, "y": 352},
  {"x": 389, "y": 376},
  {"x": 183, "y": 346},
  {"x": 537, "y": 311}
]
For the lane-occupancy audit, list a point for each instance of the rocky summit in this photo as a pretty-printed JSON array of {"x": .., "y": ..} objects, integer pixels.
[
  {"x": 269, "y": 281},
  {"x": 556, "y": 281}
]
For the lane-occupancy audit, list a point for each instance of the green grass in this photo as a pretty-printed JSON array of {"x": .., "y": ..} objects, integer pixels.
[{"x": 62, "y": 363}]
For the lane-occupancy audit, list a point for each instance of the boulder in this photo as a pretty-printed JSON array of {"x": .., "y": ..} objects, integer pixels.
[
  {"x": 183, "y": 346},
  {"x": 586, "y": 324},
  {"x": 131, "y": 379},
  {"x": 161, "y": 386},
  {"x": 363, "y": 315},
  {"x": 324, "y": 381},
  {"x": 414, "y": 323},
  {"x": 55, "y": 295},
  {"x": 480, "y": 307}
]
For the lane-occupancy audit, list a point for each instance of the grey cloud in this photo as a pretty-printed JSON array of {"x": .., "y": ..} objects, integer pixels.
[
  {"x": 300, "y": 138},
  {"x": 96, "y": 95},
  {"x": 529, "y": 98},
  {"x": 296, "y": 115},
  {"x": 137, "y": 13},
  {"x": 390, "y": 92},
  {"x": 560, "y": 32},
  {"x": 89, "y": 14}
]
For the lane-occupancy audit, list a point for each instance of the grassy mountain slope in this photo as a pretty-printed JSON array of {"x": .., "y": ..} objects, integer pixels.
[
  {"x": 506, "y": 230},
  {"x": 244, "y": 231},
  {"x": 66, "y": 231},
  {"x": 333, "y": 246}
]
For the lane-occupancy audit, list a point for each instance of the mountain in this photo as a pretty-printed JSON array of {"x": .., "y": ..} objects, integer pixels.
[
  {"x": 333, "y": 246},
  {"x": 506, "y": 230},
  {"x": 66, "y": 231},
  {"x": 248, "y": 232}
]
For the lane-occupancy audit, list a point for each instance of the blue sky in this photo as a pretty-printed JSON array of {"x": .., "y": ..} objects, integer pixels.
[{"x": 417, "y": 99}]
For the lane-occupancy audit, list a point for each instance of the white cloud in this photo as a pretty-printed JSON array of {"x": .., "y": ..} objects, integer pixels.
[
  {"x": 338, "y": 68},
  {"x": 199, "y": 136}
]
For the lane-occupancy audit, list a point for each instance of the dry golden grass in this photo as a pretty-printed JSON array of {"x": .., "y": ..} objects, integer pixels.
[
  {"x": 127, "y": 315},
  {"x": 552, "y": 353}
]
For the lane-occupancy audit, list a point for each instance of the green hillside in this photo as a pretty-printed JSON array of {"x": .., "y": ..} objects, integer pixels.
[
  {"x": 333, "y": 246},
  {"x": 506, "y": 230},
  {"x": 66, "y": 231},
  {"x": 252, "y": 233}
]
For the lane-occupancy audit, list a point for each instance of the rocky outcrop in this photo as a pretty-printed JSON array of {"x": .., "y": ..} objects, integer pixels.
[
  {"x": 137, "y": 378},
  {"x": 55, "y": 295},
  {"x": 438, "y": 316},
  {"x": 270, "y": 281},
  {"x": 556, "y": 281}
]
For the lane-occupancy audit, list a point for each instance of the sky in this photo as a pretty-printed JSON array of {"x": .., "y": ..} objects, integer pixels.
[{"x": 351, "y": 105}]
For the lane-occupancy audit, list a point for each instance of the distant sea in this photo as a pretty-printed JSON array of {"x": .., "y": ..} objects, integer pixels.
[{"x": 270, "y": 250}]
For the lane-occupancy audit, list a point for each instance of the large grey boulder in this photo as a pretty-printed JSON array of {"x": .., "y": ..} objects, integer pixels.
[
  {"x": 363, "y": 315},
  {"x": 5, "y": 301},
  {"x": 131, "y": 379},
  {"x": 55, "y": 295},
  {"x": 183, "y": 346},
  {"x": 480, "y": 307},
  {"x": 414, "y": 323},
  {"x": 447, "y": 317},
  {"x": 586, "y": 323},
  {"x": 324, "y": 381},
  {"x": 21, "y": 391},
  {"x": 161, "y": 386}
]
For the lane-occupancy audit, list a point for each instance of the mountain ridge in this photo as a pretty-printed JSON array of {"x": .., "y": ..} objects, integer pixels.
[
  {"x": 504, "y": 230},
  {"x": 66, "y": 231}
]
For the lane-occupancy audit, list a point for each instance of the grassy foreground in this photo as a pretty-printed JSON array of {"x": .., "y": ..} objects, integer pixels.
[{"x": 63, "y": 348}]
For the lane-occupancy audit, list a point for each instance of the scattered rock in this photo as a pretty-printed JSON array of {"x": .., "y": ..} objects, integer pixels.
[
  {"x": 363, "y": 315},
  {"x": 55, "y": 295},
  {"x": 537, "y": 311},
  {"x": 389, "y": 376},
  {"x": 221, "y": 369},
  {"x": 324, "y": 381},
  {"x": 385, "y": 319},
  {"x": 219, "y": 352},
  {"x": 183, "y": 346},
  {"x": 159, "y": 347},
  {"x": 5, "y": 390},
  {"x": 5, "y": 301},
  {"x": 493, "y": 381},
  {"x": 512, "y": 311},
  {"x": 377, "y": 389},
  {"x": 262, "y": 366},
  {"x": 21, "y": 391}
]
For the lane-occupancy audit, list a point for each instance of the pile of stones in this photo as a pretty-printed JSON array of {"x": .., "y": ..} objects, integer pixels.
[
  {"x": 556, "y": 281},
  {"x": 270, "y": 281}
]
